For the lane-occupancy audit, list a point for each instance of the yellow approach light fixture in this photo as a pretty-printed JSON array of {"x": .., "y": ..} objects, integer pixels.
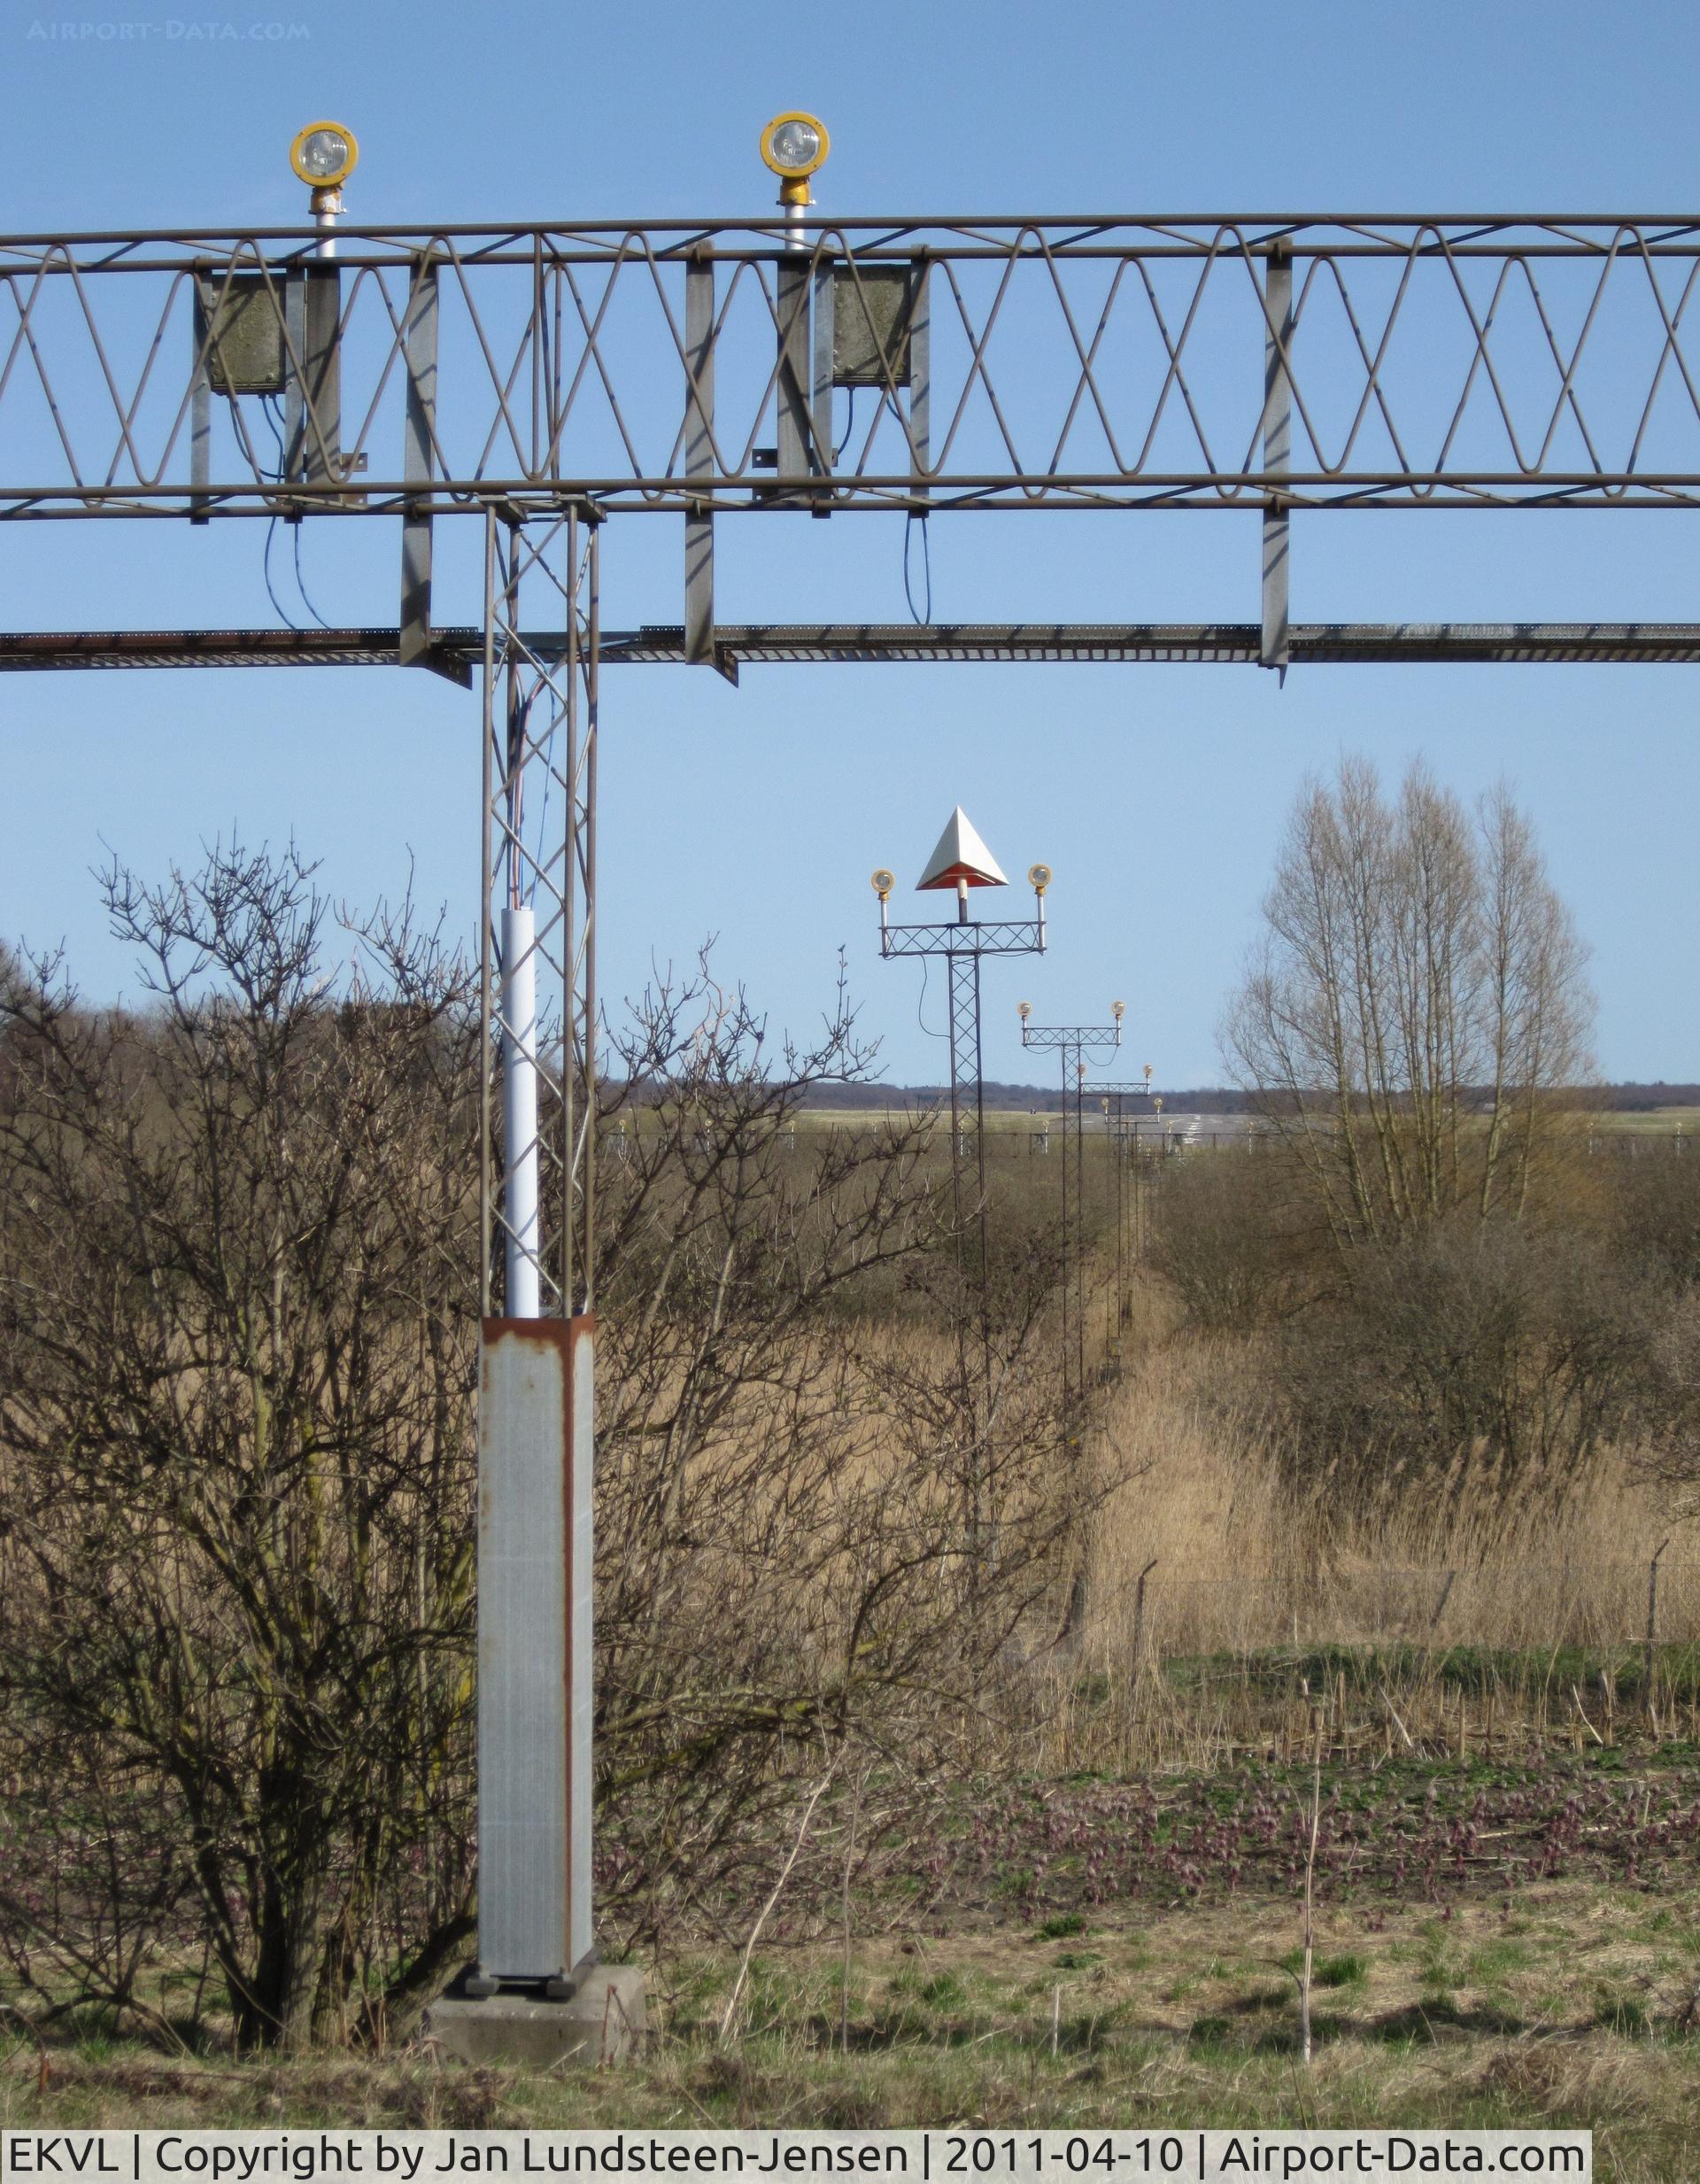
[
  {"x": 324, "y": 154},
  {"x": 883, "y": 882},
  {"x": 1119, "y": 1009},
  {"x": 1038, "y": 878},
  {"x": 1024, "y": 1009},
  {"x": 795, "y": 146}
]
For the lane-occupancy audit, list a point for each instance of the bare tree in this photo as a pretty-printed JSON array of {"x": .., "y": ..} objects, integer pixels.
[{"x": 1416, "y": 1009}]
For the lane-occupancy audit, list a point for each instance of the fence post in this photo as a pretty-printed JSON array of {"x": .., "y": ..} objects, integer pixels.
[
  {"x": 1139, "y": 1618},
  {"x": 1652, "y": 1629}
]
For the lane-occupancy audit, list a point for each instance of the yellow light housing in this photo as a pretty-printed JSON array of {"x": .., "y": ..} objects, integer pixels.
[
  {"x": 1119, "y": 1009},
  {"x": 1038, "y": 878},
  {"x": 1024, "y": 1009},
  {"x": 795, "y": 146},
  {"x": 883, "y": 882},
  {"x": 324, "y": 154}
]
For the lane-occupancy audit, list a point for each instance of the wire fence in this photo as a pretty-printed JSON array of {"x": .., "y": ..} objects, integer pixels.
[{"x": 1523, "y": 1607}]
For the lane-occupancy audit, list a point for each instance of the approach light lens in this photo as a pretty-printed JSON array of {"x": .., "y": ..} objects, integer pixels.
[
  {"x": 1119, "y": 1009},
  {"x": 1039, "y": 876},
  {"x": 794, "y": 145},
  {"x": 1024, "y": 1009},
  {"x": 883, "y": 882},
  {"x": 324, "y": 154}
]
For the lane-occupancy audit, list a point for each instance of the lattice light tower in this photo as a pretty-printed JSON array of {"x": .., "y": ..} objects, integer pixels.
[
  {"x": 960, "y": 861},
  {"x": 537, "y": 1203},
  {"x": 1129, "y": 1202},
  {"x": 1072, "y": 1044}
]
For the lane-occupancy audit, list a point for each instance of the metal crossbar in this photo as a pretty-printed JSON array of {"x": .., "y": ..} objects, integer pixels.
[
  {"x": 1267, "y": 364},
  {"x": 457, "y": 652}
]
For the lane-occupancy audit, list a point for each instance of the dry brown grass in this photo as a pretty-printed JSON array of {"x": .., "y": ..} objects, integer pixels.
[{"x": 1235, "y": 1570}]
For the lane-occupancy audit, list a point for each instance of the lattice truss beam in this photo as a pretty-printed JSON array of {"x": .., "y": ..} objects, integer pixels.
[
  {"x": 537, "y": 953},
  {"x": 696, "y": 368}
]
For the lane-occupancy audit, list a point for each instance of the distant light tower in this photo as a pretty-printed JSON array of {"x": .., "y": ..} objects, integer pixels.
[
  {"x": 1111, "y": 1098},
  {"x": 961, "y": 860},
  {"x": 1072, "y": 1043}
]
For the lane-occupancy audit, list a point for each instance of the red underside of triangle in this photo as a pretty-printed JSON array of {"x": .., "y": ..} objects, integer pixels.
[{"x": 969, "y": 875}]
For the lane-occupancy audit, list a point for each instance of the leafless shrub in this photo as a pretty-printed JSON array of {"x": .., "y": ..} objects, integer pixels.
[
  {"x": 810, "y": 1522},
  {"x": 1492, "y": 1359},
  {"x": 238, "y": 1308},
  {"x": 1230, "y": 1239},
  {"x": 235, "y": 1351}
]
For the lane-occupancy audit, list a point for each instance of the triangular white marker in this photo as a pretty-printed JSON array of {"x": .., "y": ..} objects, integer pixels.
[{"x": 961, "y": 858}]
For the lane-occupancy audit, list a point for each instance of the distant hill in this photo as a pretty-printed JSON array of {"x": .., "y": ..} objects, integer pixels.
[{"x": 1629, "y": 1099}]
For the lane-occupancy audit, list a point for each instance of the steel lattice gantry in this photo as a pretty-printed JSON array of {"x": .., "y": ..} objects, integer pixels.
[
  {"x": 541, "y": 378},
  {"x": 1267, "y": 365}
]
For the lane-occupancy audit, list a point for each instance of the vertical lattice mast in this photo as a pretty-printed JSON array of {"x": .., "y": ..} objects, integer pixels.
[
  {"x": 535, "y": 1418},
  {"x": 1072, "y": 1044}
]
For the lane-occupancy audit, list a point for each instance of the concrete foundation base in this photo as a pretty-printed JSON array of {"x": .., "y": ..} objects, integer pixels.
[{"x": 602, "y": 2023}]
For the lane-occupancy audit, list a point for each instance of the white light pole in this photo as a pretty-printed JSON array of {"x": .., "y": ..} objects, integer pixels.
[{"x": 520, "y": 1108}]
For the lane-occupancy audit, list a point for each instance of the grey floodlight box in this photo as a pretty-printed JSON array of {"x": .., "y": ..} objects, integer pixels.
[
  {"x": 871, "y": 309},
  {"x": 244, "y": 316}
]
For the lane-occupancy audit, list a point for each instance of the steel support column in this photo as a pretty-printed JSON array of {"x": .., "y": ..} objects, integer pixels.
[
  {"x": 537, "y": 1200},
  {"x": 1278, "y": 451},
  {"x": 418, "y": 461},
  {"x": 698, "y": 459}
]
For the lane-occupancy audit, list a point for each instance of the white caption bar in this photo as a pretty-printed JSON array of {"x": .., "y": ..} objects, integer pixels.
[{"x": 919, "y": 2156}]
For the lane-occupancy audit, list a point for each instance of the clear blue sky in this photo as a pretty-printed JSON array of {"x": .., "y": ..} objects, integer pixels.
[{"x": 1157, "y": 794}]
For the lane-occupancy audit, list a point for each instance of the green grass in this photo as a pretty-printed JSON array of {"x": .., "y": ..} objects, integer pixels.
[
  {"x": 1346, "y": 1971},
  {"x": 1474, "y": 1670},
  {"x": 1560, "y": 2012}
]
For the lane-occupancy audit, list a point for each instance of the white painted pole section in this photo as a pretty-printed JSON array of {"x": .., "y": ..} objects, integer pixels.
[
  {"x": 520, "y": 1109},
  {"x": 326, "y": 210}
]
